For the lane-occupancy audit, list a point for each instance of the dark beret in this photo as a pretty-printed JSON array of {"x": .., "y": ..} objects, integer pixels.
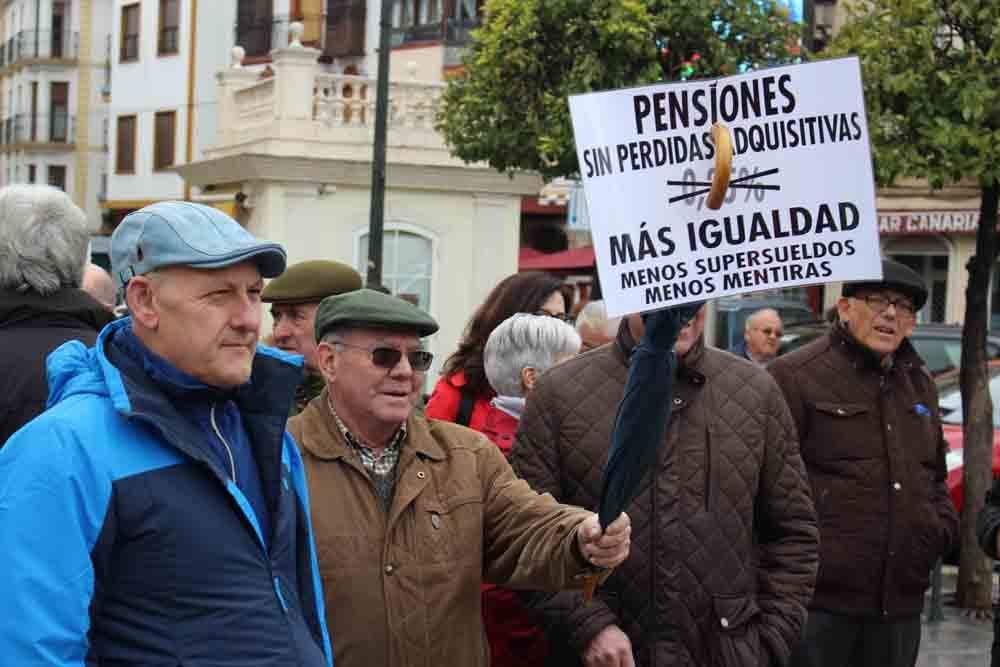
[
  {"x": 895, "y": 276},
  {"x": 310, "y": 281},
  {"x": 370, "y": 308}
]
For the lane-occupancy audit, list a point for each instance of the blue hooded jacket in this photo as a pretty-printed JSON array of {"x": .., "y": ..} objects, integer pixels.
[{"x": 125, "y": 541}]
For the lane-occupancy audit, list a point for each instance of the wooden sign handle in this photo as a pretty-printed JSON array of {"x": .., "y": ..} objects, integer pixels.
[
  {"x": 723, "y": 141},
  {"x": 589, "y": 586}
]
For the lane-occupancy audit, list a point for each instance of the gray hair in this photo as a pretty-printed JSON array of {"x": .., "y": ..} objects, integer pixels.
[
  {"x": 44, "y": 241},
  {"x": 754, "y": 317},
  {"x": 524, "y": 340},
  {"x": 595, "y": 316}
]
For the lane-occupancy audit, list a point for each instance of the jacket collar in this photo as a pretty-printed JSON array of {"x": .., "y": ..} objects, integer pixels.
[
  {"x": 905, "y": 357},
  {"x": 690, "y": 364},
  {"x": 327, "y": 442},
  {"x": 69, "y": 303}
]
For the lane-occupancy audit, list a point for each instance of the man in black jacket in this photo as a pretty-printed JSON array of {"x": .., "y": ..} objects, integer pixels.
[
  {"x": 43, "y": 251},
  {"x": 866, "y": 411}
]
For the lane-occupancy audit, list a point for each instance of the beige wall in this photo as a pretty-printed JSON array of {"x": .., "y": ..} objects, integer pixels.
[{"x": 474, "y": 239}]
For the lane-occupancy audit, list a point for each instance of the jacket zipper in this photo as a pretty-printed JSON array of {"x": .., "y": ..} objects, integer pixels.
[{"x": 215, "y": 427}]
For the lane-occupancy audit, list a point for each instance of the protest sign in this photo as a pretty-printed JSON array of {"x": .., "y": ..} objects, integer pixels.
[{"x": 800, "y": 208}]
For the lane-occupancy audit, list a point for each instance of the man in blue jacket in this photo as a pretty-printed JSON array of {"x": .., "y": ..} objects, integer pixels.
[{"x": 156, "y": 513}]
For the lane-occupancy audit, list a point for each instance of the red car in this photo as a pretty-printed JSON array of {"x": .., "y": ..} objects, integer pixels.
[{"x": 950, "y": 401}]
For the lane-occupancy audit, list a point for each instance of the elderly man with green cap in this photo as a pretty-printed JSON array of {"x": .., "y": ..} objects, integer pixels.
[
  {"x": 413, "y": 514},
  {"x": 294, "y": 297}
]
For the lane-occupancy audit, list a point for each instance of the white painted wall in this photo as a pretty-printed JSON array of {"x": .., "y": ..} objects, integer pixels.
[
  {"x": 474, "y": 236},
  {"x": 142, "y": 87}
]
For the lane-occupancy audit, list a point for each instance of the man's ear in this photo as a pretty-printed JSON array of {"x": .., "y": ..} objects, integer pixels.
[
  {"x": 843, "y": 308},
  {"x": 326, "y": 361},
  {"x": 140, "y": 295},
  {"x": 529, "y": 376}
]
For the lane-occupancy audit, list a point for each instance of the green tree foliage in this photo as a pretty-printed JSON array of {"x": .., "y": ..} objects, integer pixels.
[
  {"x": 931, "y": 72},
  {"x": 509, "y": 106}
]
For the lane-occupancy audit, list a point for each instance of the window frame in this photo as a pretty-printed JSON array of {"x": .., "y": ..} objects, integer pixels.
[
  {"x": 65, "y": 175},
  {"x": 123, "y": 35},
  {"x": 157, "y": 165},
  {"x": 162, "y": 28},
  {"x": 118, "y": 143}
]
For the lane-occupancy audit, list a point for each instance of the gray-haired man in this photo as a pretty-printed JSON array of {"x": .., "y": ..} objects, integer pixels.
[{"x": 43, "y": 252}]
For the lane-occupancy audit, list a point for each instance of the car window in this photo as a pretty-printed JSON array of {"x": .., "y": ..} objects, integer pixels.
[
  {"x": 940, "y": 354},
  {"x": 950, "y": 402}
]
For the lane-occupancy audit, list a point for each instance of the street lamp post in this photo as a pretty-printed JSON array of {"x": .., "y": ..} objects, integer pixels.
[{"x": 377, "y": 214}]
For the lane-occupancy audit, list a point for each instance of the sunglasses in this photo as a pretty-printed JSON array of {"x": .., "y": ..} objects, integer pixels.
[{"x": 387, "y": 357}]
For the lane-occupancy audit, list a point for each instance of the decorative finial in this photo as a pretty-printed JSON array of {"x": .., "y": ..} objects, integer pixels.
[
  {"x": 295, "y": 30},
  {"x": 236, "y": 57}
]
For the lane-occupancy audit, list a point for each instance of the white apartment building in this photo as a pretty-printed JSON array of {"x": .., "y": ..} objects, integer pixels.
[
  {"x": 164, "y": 56},
  {"x": 54, "y": 81}
]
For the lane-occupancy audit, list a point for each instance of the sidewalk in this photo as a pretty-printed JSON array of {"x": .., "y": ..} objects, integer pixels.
[{"x": 957, "y": 641}]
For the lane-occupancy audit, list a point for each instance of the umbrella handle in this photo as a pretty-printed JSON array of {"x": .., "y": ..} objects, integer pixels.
[
  {"x": 723, "y": 141},
  {"x": 589, "y": 586}
]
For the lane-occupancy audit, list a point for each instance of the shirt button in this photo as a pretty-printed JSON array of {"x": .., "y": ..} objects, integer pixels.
[
  {"x": 888, "y": 427},
  {"x": 724, "y": 622},
  {"x": 897, "y": 486},
  {"x": 389, "y": 569},
  {"x": 421, "y": 474}
]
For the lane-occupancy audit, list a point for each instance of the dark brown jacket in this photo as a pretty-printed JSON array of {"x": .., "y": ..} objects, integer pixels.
[
  {"x": 872, "y": 443},
  {"x": 402, "y": 588},
  {"x": 724, "y": 535}
]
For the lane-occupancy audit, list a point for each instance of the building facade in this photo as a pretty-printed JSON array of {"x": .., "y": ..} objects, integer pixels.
[
  {"x": 164, "y": 56},
  {"x": 54, "y": 85},
  {"x": 293, "y": 156}
]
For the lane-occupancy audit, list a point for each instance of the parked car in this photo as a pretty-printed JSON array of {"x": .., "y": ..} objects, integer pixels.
[
  {"x": 950, "y": 404},
  {"x": 939, "y": 345},
  {"x": 731, "y": 314}
]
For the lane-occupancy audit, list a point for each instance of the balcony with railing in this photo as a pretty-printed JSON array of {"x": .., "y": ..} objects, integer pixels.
[
  {"x": 38, "y": 132},
  {"x": 45, "y": 45},
  {"x": 307, "y": 109}
]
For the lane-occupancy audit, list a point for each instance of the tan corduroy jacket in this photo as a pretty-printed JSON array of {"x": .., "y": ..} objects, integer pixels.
[{"x": 402, "y": 588}]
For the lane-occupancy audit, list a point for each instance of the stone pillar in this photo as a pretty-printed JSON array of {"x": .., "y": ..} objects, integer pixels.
[
  {"x": 294, "y": 78},
  {"x": 230, "y": 80}
]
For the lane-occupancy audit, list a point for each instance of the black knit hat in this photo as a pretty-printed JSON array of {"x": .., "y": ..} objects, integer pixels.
[{"x": 895, "y": 276}]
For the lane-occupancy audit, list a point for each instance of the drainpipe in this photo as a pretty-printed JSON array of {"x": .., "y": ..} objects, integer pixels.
[
  {"x": 38, "y": 25},
  {"x": 192, "y": 55}
]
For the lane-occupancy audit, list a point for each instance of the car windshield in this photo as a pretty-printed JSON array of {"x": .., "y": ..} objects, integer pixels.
[{"x": 950, "y": 401}]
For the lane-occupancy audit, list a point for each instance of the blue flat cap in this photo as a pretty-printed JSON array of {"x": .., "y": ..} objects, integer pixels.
[{"x": 178, "y": 233}]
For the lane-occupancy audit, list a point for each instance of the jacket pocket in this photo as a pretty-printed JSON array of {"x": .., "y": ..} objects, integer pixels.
[
  {"x": 839, "y": 431},
  {"x": 736, "y": 642},
  {"x": 451, "y": 530}
]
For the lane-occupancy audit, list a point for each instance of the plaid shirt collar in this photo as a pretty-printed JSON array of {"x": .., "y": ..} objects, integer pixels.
[{"x": 381, "y": 464}]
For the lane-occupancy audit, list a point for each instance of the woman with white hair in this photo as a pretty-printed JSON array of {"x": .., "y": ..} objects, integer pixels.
[
  {"x": 517, "y": 352},
  {"x": 44, "y": 248}
]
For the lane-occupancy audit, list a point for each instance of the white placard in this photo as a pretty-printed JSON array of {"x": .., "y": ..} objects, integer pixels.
[{"x": 800, "y": 209}]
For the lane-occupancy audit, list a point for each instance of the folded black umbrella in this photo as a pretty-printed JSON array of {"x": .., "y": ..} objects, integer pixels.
[{"x": 644, "y": 412}]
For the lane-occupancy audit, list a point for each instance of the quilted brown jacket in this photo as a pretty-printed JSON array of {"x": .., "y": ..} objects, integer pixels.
[
  {"x": 402, "y": 588},
  {"x": 873, "y": 447},
  {"x": 724, "y": 540}
]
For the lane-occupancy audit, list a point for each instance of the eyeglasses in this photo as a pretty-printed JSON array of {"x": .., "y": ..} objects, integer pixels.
[
  {"x": 388, "y": 357},
  {"x": 879, "y": 304},
  {"x": 559, "y": 316},
  {"x": 768, "y": 331}
]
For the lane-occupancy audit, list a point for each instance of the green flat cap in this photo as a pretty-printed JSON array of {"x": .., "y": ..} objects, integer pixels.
[
  {"x": 311, "y": 281},
  {"x": 369, "y": 308}
]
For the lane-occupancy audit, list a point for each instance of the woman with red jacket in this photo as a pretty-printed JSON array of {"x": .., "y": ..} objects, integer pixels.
[
  {"x": 520, "y": 349},
  {"x": 463, "y": 394}
]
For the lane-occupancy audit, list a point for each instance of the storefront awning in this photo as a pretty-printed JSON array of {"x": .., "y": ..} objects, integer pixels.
[{"x": 574, "y": 259}]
